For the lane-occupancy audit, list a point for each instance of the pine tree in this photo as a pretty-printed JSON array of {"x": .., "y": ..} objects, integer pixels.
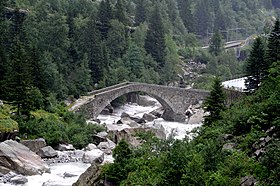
[
  {"x": 255, "y": 66},
  {"x": 184, "y": 7},
  {"x": 155, "y": 40},
  {"x": 105, "y": 14},
  {"x": 214, "y": 103},
  {"x": 120, "y": 12},
  {"x": 215, "y": 47},
  {"x": 140, "y": 12},
  {"x": 202, "y": 17},
  {"x": 273, "y": 48}
]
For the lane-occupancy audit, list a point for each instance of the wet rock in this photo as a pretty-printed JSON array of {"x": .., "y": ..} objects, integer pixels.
[
  {"x": 149, "y": 117},
  {"x": 267, "y": 139},
  {"x": 102, "y": 134},
  {"x": 158, "y": 112},
  {"x": 54, "y": 183},
  {"x": 144, "y": 101},
  {"x": 68, "y": 175},
  {"x": 17, "y": 157},
  {"x": 47, "y": 152},
  {"x": 125, "y": 115},
  {"x": 65, "y": 147},
  {"x": 90, "y": 147},
  {"x": 107, "y": 147},
  {"x": 248, "y": 181},
  {"x": 6, "y": 178},
  {"x": 19, "y": 180},
  {"x": 128, "y": 121},
  {"x": 93, "y": 156},
  {"x": 34, "y": 145},
  {"x": 90, "y": 177}
]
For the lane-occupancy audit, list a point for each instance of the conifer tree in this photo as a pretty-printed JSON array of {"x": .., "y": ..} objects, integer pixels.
[
  {"x": 215, "y": 46},
  {"x": 105, "y": 14},
  {"x": 255, "y": 67},
  {"x": 273, "y": 48},
  {"x": 155, "y": 40},
  {"x": 186, "y": 15},
  {"x": 140, "y": 12},
  {"x": 215, "y": 103},
  {"x": 120, "y": 12}
]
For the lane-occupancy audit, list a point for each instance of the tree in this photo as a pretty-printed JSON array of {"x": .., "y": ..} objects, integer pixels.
[
  {"x": 155, "y": 40},
  {"x": 140, "y": 12},
  {"x": 105, "y": 14},
  {"x": 186, "y": 15},
  {"x": 273, "y": 47},
  {"x": 255, "y": 66},
  {"x": 215, "y": 102},
  {"x": 202, "y": 17},
  {"x": 215, "y": 47},
  {"x": 120, "y": 13}
]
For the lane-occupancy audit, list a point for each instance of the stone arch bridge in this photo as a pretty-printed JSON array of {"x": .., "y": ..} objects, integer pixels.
[{"x": 174, "y": 100}]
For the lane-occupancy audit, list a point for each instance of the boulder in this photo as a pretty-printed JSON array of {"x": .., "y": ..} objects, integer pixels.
[
  {"x": 107, "y": 147},
  {"x": 248, "y": 181},
  {"x": 68, "y": 175},
  {"x": 158, "y": 112},
  {"x": 17, "y": 157},
  {"x": 19, "y": 180},
  {"x": 34, "y": 145},
  {"x": 65, "y": 147},
  {"x": 93, "y": 156},
  {"x": 102, "y": 134},
  {"x": 125, "y": 115},
  {"x": 90, "y": 147},
  {"x": 146, "y": 101},
  {"x": 47, "y": 152},
  {"x": 90, "y": 177},
  {"x": 149, "y": 117},
  {"x": 128, "y": 121}
]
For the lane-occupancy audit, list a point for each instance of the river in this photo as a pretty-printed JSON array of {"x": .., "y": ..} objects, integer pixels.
[{"x": 57, "y": 170}]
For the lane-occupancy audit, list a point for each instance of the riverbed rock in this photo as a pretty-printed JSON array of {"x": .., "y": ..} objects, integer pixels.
[
  {"x": 128, "y": 121},
  {"x": 93, "y": 156},
  {"x": 19, "y": 180},
  {"x": 157, "y": 112},
  {"x": 65, "y": 147},
  {"x": 149, "y": 117},
  {"x": 229, "y": 147},
  {"x": 107, "y": 147},
  {"x": 90, "y": 147},
  {"x": 90, "y": 177},
  {"x": 17, "y": 157},
  {"x": 47, "y": 152},
  {"x": 248, "y": 181},
  {"x": 34, "y": 145}
]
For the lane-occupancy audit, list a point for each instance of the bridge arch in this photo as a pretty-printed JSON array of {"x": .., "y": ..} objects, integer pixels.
[{"x": 173, "y": 99}]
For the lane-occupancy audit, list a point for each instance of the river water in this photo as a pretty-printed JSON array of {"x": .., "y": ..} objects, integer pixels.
[{"x": 57, "y": 170}]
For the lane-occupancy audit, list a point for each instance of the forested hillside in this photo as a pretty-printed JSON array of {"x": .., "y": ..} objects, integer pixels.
[{"x": 63, "y": 48}]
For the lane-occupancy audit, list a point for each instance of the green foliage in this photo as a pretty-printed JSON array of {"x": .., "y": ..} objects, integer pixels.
[
  {"x": 215, "y": 103},
  {"x": 7, "y": 124},
  {"x": 255, "y": 67},
  {"x": 215, "y": 47}
]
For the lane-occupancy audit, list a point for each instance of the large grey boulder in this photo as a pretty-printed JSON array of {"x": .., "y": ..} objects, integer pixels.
[
  {"x": 248, "y": 181},
  {"x": 20, "y": 159},
  {"x": 93, "y": 156},
  {"x": 47, "y": 152},
  {"x": 19, "y": 180},
  {"x": 149, "y": 117},
  {"x": 128, "y": 121},
  {"x": 90, "y": 177},
  {"x": 34, "y": 145},
  {"x": 65, "y": 147},
  {"x": 107, "y": 147}
]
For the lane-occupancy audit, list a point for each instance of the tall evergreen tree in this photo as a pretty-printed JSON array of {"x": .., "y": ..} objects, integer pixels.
[
  {"x": 120, "y": 12},
  {"x": 215, "y": 46},
  {"x": 140, "y": 12},
  {"x": 202, "y": 17},
  {"x": 273, "y": 47},
  {"x": 155, "y": 40},
  {"x": 255, "y": 66},
  {"x": 215, "y": 103},
  {"x": 184, "y": 7},
  {"x": 105, "y": 14}
]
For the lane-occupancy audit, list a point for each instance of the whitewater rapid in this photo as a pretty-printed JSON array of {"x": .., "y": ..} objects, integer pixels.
[{"x": 56, "y": 177}]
